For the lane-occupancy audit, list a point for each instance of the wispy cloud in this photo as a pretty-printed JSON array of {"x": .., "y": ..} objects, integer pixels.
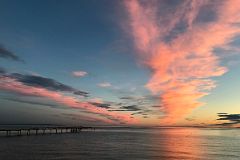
[
  {"x": 105, "y": 85},
  {"x": 178, "y": 43},
  {"x": 79, "y": 73},
  {"x": 7, "y": 54}
]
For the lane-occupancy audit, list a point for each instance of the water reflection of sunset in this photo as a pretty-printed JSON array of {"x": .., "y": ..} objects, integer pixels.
[{"x": 178, "y": 143}]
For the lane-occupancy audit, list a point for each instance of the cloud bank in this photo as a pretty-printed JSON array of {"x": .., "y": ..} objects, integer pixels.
[
  {"x": 47, "y": 83},
  {"x": 32, "y": 85},
  {"x": 176, "y": 41}
]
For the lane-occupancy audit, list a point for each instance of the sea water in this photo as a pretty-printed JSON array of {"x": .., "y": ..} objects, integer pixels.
[{"x": 126, "y": 144}]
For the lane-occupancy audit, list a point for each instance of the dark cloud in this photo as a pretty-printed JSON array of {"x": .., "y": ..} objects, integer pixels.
[
  {"x": 141, "y": 105},
  {"x": 101, "y": 105},
  {"x": 2, "y": 70},
  {"x": 178, "y": 29},
  {"x": 230, "y": 118},
  {"x": 127, "y": 108},
  {"x": 140, "y": 100},
  {"x": 81, "y": 93},
  {"x": 127, "y": 98},
  {"x": 83, "y": 119},
  {"x": 31, "y": 102},
  {"x": 145, "y": 112},
  {"x": 5, "y": 53},
  {"x": 221, "y": 113},
  {"x": 138, "y": 113},
  {"x": 119, "y": 104},
  {"x": 207, "y": 13},
  {"x": 171, "y": 3},
  {"x": 145, "y": 97},
  {"x": 156, "y": 106},
  {"x": 47, "y": 83},
  {"x": 131, "y": 108},
  {"x": 104, "y": 115},
  {"x": 168, "y": 9}
]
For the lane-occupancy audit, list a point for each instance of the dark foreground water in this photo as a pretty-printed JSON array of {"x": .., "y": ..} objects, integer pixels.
[{"x": 126, "y": 144}]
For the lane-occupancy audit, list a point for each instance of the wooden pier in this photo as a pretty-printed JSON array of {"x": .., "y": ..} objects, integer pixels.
[{"x": 42, "y": 130}]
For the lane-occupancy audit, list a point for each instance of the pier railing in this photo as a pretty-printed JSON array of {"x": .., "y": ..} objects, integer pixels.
[{"x": 42, "y": 130}]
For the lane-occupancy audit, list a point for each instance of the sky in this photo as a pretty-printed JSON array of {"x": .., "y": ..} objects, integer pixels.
[{"x": 123, "y": 62}]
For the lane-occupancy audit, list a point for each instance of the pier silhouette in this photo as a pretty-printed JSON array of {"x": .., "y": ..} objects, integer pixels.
[{"x": 42, "y": 130}]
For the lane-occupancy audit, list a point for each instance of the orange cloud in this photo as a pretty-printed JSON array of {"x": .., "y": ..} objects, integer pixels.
[
  {"x": 182, "y": 66},
  {"x": 10, "y": 84}
]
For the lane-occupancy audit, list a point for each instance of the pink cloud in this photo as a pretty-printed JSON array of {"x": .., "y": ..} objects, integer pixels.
[
  {"x": 79, "y": 73},
  {"x": 10, "y": 84},
  {"x": 183, "y": 67}
]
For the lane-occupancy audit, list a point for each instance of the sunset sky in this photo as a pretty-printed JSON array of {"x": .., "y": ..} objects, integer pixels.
[{"x": 122, "y": 62}]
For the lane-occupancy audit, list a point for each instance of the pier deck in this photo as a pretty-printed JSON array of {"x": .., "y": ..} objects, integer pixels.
[{"x": 42, "y": 130}]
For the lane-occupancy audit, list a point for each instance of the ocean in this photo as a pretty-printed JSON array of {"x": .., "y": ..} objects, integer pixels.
[{"x": 126, "y": 144}]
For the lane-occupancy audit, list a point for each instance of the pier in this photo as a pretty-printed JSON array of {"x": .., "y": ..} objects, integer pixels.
[{"x": 42, "y": 130}]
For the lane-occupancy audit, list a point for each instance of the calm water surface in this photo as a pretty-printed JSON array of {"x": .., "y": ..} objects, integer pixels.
[{"x": 126, "y": 144}]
